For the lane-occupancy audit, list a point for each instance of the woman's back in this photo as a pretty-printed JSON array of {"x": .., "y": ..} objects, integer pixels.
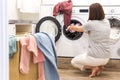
[{"x": 99, "y": 32}]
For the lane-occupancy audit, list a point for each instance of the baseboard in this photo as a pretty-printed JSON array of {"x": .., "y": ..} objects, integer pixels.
[{"x": 65, "y": 63}]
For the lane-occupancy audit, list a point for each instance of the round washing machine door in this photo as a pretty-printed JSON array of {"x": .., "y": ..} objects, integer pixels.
[
  {"x": 115, "y": 37},
  {"x": 73, "y": 35},
  {"x": 49, "y": 25},
  {"x": 71, "y": 44},
  {"x": 115, "y": 29}
]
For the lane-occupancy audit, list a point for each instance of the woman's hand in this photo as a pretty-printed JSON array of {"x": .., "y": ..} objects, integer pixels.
[
  {"x": 71, "y": 28},
  {"x": 74, "y": 28}
]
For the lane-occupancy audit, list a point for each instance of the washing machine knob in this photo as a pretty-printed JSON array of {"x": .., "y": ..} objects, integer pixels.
[{"x": 112, "y": 11}]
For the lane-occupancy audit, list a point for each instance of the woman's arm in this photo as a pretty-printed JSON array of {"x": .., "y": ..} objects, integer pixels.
[{"x": 75, "y": 28}]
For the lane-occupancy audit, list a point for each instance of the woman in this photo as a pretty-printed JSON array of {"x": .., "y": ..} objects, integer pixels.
[{"x": 98, "y": 30}]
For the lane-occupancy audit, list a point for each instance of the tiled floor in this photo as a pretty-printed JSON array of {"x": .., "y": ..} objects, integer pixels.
[{"x": 73, "y": 74}]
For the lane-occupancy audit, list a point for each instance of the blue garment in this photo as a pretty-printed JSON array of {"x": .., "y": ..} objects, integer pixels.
[
  {"x": 12, "y": 45},
  {"x": 47, "y": 46}
]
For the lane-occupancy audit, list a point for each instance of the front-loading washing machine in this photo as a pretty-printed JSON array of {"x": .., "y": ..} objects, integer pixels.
[
  {"x": 112, "y": 13},
  {"x": 68, "y": 44},
  {"x": 71, "y": 44}
]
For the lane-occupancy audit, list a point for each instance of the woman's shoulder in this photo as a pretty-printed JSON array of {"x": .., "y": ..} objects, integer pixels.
[
  {"x": 105, "y": 19},
  {"x": 98, "y": 21},
  {"x": 90, "y": 22}
]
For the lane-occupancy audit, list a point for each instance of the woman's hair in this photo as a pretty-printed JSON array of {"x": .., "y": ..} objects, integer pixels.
[{"x": 96, "y": 12}]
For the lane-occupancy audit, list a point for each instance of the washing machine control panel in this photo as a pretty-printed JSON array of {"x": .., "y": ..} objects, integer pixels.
[
  {"x": 80, "y": 10},
  {"x": 83, "y": 10},
  {"x": 112, "y": 10}
]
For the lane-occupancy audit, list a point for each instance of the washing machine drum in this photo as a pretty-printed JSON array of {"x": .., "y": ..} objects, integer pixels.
[
  {"x": 49, "y": 25},
  {"x": 115, "y": 29},
  {"x": 72, "y": 35}
]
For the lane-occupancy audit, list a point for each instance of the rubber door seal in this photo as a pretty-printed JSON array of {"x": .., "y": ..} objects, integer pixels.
[{"x": 37, "y": 28}]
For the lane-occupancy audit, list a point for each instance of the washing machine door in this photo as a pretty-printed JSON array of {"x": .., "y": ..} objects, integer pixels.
[
  {"x": 115, "y": 29},
  {"x": 72, "y": 35},
  {"x": 49, "y": 25},
  {"x": 115, "y": 37}
]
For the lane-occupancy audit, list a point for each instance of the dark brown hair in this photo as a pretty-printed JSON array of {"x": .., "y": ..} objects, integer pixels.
[{"x": 96, "y": 12}]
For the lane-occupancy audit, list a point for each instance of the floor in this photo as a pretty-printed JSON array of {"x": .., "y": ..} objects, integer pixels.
[
  {"x": 74, "y": 74},
  {"x": 67, "y": 72}
]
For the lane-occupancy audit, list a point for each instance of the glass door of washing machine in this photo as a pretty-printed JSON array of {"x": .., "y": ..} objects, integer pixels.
[
  {"x": 115, "y": 29},
  {"x": 72, "y": 35},
  {"x": 49, "y": 25},
  {"x": 115, "y": 37}
]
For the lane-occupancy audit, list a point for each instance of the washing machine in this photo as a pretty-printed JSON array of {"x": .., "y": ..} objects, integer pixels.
[
  {"x": 112, "y": 13},
  {"x": 68, "y": 44},
  {"x": 71, "y": 44}
]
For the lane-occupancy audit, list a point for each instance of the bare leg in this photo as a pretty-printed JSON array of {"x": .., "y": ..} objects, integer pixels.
[
  {"x": 101, "y": 69},
  {"x": 94, "y": 71}
]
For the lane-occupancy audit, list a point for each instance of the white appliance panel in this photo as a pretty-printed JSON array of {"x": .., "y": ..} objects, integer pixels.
[
  {"x": 113, "y": 14},
  {"x": 83, "y": 2},
  {"x": 88, "y": 2}
]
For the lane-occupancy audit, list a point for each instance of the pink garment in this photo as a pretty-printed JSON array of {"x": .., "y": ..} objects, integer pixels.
[
  {"x": 25, "y": 56},
  {"x": 28, "y": 44},
  {"x": 41, "y": 72},
  {"x": 39, "y": 59},
  {"x": 65, "y": 8}
]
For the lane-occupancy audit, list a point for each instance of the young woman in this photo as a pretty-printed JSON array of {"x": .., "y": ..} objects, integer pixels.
[{"x": 98, "y": 30}]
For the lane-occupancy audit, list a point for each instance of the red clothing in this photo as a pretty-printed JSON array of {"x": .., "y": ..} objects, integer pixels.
[{"x": 65, "y": 8}]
